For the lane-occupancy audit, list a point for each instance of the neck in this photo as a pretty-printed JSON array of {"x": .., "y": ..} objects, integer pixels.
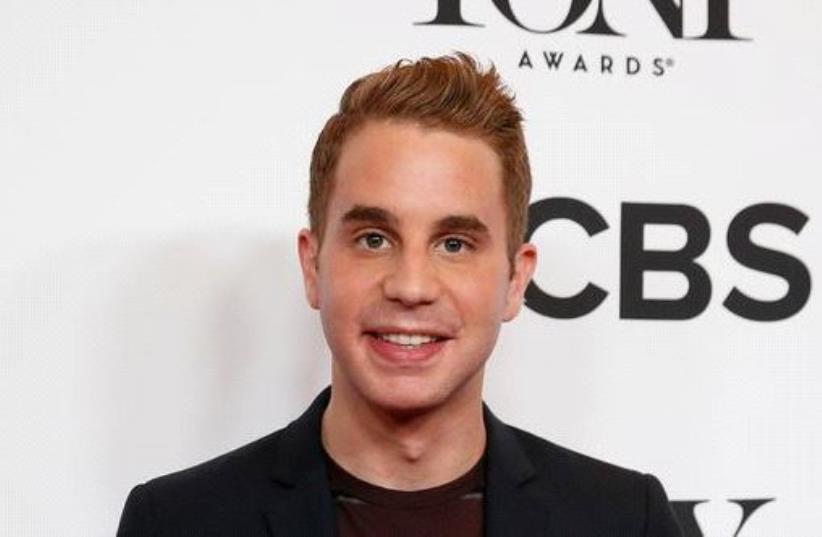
[{"x": 403, "y": 451}]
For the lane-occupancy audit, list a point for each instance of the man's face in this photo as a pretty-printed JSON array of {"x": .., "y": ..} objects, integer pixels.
[{"x": 412, "y": 279}]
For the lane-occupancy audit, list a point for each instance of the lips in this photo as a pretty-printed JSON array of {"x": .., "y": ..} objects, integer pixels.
[{"x": 406, "y": 347}]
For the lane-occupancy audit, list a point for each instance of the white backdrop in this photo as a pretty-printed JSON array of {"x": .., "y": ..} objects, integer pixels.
[{"x": 153, "y": 175}]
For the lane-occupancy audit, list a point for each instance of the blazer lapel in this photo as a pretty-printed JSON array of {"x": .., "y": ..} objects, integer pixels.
[
  {"x": 509, "y": 508},
  {"x": 303, "y": 504}
]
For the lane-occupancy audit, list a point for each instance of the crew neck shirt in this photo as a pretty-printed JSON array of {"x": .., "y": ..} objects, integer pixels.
[{"x": 453, "y": 509}]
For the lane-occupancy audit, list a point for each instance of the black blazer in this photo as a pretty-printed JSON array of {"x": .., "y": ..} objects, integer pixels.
[{"x": 277, "y": 486}]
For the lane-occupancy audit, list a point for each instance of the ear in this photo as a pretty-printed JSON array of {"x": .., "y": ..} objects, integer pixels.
[
  {"x": 308, "y": 249},
  {"x": 525, "y": 261}
]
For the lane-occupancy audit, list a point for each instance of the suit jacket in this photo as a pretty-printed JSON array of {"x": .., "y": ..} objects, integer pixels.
[{"x": 277, "y": 486}]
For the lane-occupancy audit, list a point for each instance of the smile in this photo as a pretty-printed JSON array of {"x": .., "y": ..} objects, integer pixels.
[
  {"x": 408, "y": 340},
  {"x": 406, "y": 349}
]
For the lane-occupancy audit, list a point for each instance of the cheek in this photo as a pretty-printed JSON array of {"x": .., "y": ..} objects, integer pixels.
[
  {"x": 337, "y": 293},
  {"x": 482, "y": 297},
  {"x": 344, "y": 290},
  {"x": 339, "y": 314}
]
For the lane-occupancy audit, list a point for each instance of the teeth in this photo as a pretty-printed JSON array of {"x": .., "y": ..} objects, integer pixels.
[{"x": 412, "y": 340}]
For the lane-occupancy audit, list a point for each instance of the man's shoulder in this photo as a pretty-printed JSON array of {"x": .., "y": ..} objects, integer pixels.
[
  {"x": 220, "y": 493},
  {"x": 567, "y": 464},
  {"x": 590, "y": 493},
  {"x": 247, "y": 462},
  {"x": 244, "y": 474}
]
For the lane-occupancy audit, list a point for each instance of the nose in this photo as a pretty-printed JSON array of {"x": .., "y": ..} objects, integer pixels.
[{"x": 412, "y": 280}]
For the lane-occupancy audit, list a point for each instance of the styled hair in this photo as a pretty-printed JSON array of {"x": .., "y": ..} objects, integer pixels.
[{"x": 448, "y": 92}]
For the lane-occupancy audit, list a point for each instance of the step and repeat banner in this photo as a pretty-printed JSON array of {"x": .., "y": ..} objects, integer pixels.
[{"x": 154, "y": 173}]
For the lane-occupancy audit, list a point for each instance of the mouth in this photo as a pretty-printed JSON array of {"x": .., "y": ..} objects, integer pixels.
[
  {"x": 410, "y": 341},
  {"x": 406, "y": 347}
]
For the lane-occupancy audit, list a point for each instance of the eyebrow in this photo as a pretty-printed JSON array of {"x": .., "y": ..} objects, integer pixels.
[
  {"x": 366, "y": 213},
  {"x": 464, "y": 223},
  {"x": 378, "y": 215}
]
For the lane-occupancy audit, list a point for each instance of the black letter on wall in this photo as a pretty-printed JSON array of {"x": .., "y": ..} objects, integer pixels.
[
  {"x": 600, "y": 25},
  {"x": 450, "y": 14},
  {"x": 770, "y": 261},
  {"x": 685, "y": 515},
  {"x": 586, "y": 216},
  {"x": 635, "y": 261},
  {"x": 684, "y": 511},
  {"x": 748, "y": 508},
  {"x": 576, "y": 10},
  {"x": 671, "y": 15},
  {"x": 719, "y": 23}
]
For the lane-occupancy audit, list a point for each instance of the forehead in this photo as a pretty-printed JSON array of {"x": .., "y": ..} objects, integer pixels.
[{"x": 418, "y": 173}]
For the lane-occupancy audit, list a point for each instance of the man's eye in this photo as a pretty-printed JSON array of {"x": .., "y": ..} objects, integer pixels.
[
  {"x": 372, "y": 241},
  {"x": 453, "y": 245}
]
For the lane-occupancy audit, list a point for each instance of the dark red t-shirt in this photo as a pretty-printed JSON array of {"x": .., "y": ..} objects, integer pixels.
[{"x": 365, "y": 510}]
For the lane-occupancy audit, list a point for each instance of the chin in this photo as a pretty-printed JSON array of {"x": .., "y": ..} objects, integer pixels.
[
  {"x": 405, "y": 399},
  {"x": 411, "y": 397}
]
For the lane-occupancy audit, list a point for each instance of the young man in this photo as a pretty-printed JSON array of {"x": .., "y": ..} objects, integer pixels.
[{"x": 414, "y": 257}]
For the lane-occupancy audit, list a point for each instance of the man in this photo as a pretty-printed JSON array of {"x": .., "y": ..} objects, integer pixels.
[{"x": 414, "y": 257}]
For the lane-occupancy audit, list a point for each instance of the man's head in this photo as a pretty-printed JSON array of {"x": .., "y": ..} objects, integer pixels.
[
  {"x": 451, "y": 93},
  {"x": 411, "y": 258}
]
